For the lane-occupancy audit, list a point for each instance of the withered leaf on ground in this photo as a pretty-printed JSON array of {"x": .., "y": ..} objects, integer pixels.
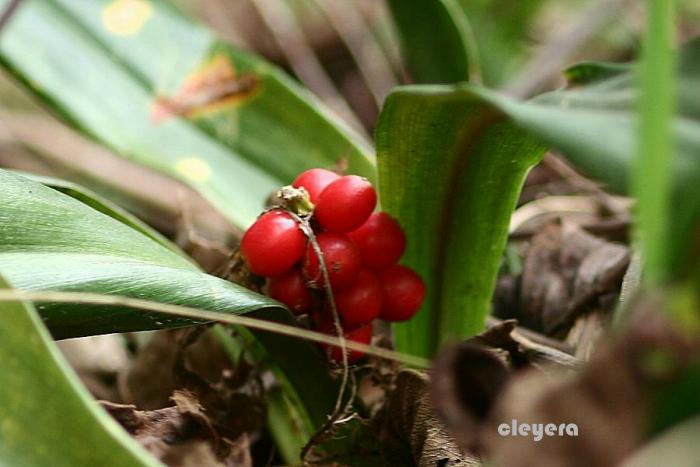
[
  {"x": 566, "y": 271},
  {"x": 208, "y": 388},
  {"x": 524, "y": 347},
  {"x": 466, "y": 379},
  {"x": 181, "y": 435},
  {"x": 609, "y": 400},
  {"x": 410, "y": 432}
]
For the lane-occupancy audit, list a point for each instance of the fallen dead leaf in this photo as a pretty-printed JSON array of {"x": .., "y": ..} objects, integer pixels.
[{"x": 181, "y": 435}]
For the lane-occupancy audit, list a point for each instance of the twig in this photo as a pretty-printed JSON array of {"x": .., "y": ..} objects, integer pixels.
[
  {"x": 371, "y": 61},
  {"x": 549, "y": 61},
  {"x": 8, "y": 13},
  {"x": 382, "y": 24},
  {"x": 562, "y": 168},
  {"x": 533, "y": 336},
  {"x": 13, "y": 295},
  {"x": 338, "y": 410},
  {"x": 222, "y": 19},
  {"x": 282, "y": 24}
]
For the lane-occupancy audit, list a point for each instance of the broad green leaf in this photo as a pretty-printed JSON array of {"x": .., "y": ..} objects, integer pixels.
[
  {"x": 102, "y": 205},
  {"x": 50, "y": 241},
  {"x": 450, "y": 168},
  {"x": 595, "y": 126},
  {"x": 434, "y": 36},
  {"x": 451, "y": 160},
  {"x": 130, "y": 74},
  {"x": 48, "y": 418}
]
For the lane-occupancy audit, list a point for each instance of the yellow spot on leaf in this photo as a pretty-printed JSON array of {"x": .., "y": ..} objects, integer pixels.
[
  {"x": 193, "y": 169},
  {"x": 126, "y": 17}
]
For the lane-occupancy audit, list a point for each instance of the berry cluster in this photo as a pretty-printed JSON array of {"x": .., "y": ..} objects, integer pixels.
[{"x": 360, "y": 250}]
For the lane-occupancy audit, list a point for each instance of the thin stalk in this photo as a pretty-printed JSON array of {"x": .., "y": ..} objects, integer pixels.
[
  {"x": 339, "y": 410},
  {"x": 368, "y": 55},
  {"x": 291, "y": 40},
  {"x": 555, "y": 54},
  {"x": 652, "y": 170},
  {"x": 11, "y": 295}
]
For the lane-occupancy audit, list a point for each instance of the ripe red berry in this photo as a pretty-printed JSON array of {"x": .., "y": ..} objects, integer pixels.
[
  {"x": 404, "y": 291},
  {"x": 345, "y": 204},
  {"x": 315, "y": 181},
  {"x": 362, "y": 335},
  {"x": 341, "y": 258},
  {"x": 360, "y": 304},
  {"x": 380, "y": 240},
  {"x": 273, "y": 244},
  {"x": 291, "y": 290}
]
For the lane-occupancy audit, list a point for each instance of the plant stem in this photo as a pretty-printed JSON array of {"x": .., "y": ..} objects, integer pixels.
[
  {"x": 197, "y": 314},
  {"x": 652, "y": 174}
]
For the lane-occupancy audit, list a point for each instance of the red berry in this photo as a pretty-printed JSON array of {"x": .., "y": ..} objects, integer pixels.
[
  {"x": 291, "y": 290},
  {"x": 345, "y": 204},
  {"x": 362, "y": 335},
  {"x": 404, "y": 291},
  {"x": 360, "y": 304},
  {"x": 340, "y": 256},
  {"x": 380, "y": 240},
  {"x": 315, "y": 181},
  {"x": 273, "y": 244}
]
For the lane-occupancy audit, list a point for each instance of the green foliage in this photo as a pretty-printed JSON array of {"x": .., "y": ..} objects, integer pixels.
[
  {"x": 163, "y": 92},
  {"x": 58, "y": 243},
  {"x": 590, "y": 72},
  {"x": 652, "y": 176},
  {"x": 98, "y": 203},
  {"x": 595, "y": 126},
  {"x": 55, "y": 242},
  {"x": 289, "y": 432},
  {"x": 675, "y": 403},
  {"x": 447, "y": 198},
  {"x": 48, "y": 418},
  {"x": 111, "y": 75},
  {"x": 450, "y": 169},
  {"x": 434, "y": 35}
]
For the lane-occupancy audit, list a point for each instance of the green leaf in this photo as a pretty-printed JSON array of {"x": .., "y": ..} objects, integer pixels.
[
  {"x": 102, "y": 205},
  {"x": 48, "y": 418},
  {"x": 452, "y": 159},
  {"x": 591, "y": 72},
  {"x": 434, "y": 36},
  {"x": 595, "y": 126},
  {"x": 652, "y": 170},
  {"x": 50, "y": 241},
  {"x": 128, "y": 62},
  {"x": 285, "y": 426},
  {"x": 451, "y": 168}
]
